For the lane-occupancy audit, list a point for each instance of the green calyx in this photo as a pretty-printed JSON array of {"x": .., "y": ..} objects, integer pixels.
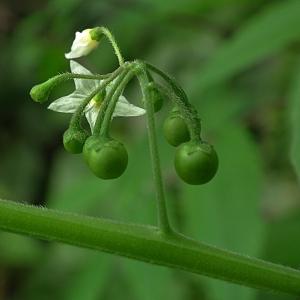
[
  {"x": 74, "y": 139},
  {"x": 41, "y": 92},
  {"x": 106, "y": 158},
  {"x": 97, "y": 34}
]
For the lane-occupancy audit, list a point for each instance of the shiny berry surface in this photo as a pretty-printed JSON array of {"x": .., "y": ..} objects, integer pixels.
[
  {"x": 175, "y": 130},
  {"x": 107, "y": 158},
  {"x": 196, "y": 163}
]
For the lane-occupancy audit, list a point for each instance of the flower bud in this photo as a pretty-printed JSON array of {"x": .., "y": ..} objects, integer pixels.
[
  {"x": 41, "y": 92},
  {"x": 84, "y": 42}
]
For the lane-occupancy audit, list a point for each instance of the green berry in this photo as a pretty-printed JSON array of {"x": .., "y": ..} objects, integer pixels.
[
  {"x": 106, "y": 158},
  {"x": 175, "y": 130},
  {"x": 196, "y": 163},
  {"x": 74, "y": 140}
]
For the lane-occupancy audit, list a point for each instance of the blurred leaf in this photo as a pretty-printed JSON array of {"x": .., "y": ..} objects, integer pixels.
[
  {"x": 281, "y": 198},
  {"x": 18, "y": 250},
  {"x": 52, "y": 272},
  {"x": 26, "y": 48},
  {"x": 152, "y": 282},
  {"x": 73, "y": 187},
  {"x": 20, "y": 168},
  {"x": 225, "y": 212},
  {"x": 294, "y": 118},
  {"x": 265, "y": 33},
  {"x": 64, "y": 10},
  {"x": 89, "y": 281},
  {"x": 220, "y": 106},
  {"x": 192, "y": 7}
]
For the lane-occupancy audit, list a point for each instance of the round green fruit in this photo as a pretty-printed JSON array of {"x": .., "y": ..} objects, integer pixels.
[
  {"x": 196, "y": 163},
  {"x": 107, "y": 158},
  {"x": 175, "y": 130},
  {"x": 74, "y": 139}
]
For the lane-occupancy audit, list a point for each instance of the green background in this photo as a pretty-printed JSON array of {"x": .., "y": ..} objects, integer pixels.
[{"x": 238, "y": 61}]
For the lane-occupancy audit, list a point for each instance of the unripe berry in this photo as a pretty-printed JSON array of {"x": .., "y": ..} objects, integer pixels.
[
  {"x": 175, "y": 130},
  {"x": 74, "y": 139},
  {"x": 106, "y": 158},
  {"x": 196, "y": 163}
]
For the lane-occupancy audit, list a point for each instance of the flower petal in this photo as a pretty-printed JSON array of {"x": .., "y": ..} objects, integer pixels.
[
  {"x": 82, "y": 45},
  {"x": 126, "y": 109},
  {"x": 91, "y": 115},
  {"x": 67, "y": 104},
  {"x": 76, "y": 53},
  {"x": 85, "y": 86}
]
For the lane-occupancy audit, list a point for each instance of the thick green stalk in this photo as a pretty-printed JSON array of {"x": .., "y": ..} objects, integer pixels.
[
  {"x": 146, "y": 243},
  {"x": 163, "y": 220}
]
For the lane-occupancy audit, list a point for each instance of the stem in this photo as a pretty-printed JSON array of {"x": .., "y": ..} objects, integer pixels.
[
  {"x": 181, "y": 100},
  {"x": 112, "y": 104},
  {"x": 108, "y": 97},
  {"x": 163, "y": 220},
  {"x": 145, "y": 243},
  {"x": 67, "y": 76},
  {"x": 75, "y": 120},
  {"x": 114, "y": 44},
  {"x": 86, "y": 76}
]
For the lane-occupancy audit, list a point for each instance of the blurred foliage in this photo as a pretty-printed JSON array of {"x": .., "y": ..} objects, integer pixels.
[{"x": 239, "y": 63}]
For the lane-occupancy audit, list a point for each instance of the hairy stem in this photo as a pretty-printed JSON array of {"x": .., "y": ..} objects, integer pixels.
[
  {"x": 163, "y": 220},
  {"x": 114, "y": 44},
  {"x": 86, "y": 76},
  {"x": 188, "y": 111},
  {"x": 113, "y": 102},
  {"x": 107, "y": 100},
  {"x": 147, "y": 244}
]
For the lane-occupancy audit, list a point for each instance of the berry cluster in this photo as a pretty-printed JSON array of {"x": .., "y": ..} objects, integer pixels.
[
  {"x": 99, "y": 98},
  {"x": 196, "y": 162}
]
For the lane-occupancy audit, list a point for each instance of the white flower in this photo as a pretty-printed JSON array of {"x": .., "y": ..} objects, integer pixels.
[
  {"x": 84, "y": 87},
  {"x": 82, "y": 45}
]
